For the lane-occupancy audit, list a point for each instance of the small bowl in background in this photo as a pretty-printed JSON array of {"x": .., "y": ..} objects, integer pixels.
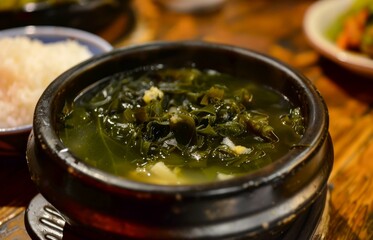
[
  {"x": 318, "y": 18},
  {"x": 13, "y": 140}
]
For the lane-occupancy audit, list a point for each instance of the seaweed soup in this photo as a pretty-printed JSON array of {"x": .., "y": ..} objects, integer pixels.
[{"x": 179, "y": 125}]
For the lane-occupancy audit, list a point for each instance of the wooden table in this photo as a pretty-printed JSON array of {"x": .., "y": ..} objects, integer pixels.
[{"x": 274, "y": 28}]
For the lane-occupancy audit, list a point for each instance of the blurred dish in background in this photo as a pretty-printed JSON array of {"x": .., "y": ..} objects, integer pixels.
[
  {"x": 191, "y": 5},
  {"x": 317, "y": 22},
  {"x": 353, "y": 29},
  {"x": 111, "y": 19}
]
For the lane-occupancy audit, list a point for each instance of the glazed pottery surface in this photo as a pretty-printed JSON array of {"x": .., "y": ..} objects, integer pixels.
[{"x": 260, "y": 205}]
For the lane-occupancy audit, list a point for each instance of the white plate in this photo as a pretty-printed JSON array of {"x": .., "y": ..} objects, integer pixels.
[{"x": 318, "y": 17}]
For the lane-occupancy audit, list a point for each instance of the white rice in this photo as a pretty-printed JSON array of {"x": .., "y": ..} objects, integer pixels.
[{"x": 27, "y": 66}]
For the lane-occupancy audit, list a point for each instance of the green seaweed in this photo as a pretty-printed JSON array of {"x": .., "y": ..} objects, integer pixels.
[{"x": 191, "y": 120}]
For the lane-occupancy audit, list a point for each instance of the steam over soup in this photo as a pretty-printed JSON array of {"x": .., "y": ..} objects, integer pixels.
[{"x": 179, "y": 126}]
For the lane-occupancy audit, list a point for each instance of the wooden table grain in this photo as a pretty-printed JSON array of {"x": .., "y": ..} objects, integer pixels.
[{"x": 274, "y": 28}]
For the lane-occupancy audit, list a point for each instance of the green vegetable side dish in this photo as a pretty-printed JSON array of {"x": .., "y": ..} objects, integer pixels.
[
  {"x": 353, "y": 29},
  {"x": 179, "y": 126}
]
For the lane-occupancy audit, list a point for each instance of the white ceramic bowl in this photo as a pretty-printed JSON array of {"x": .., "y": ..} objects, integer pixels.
[
  {"x": 13, "y": 140},
  {"x": 317, "y": 19}
]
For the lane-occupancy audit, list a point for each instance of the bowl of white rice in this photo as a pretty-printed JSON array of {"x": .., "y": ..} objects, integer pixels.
[{"x": 31, "y": 58}]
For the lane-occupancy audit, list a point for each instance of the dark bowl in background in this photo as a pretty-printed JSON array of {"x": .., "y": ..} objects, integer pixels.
[
  {"x": 110, "y": 19},
  {"x": 259, "y": 205}
]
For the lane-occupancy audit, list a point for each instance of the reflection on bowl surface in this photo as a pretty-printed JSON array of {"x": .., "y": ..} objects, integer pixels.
[
  {"x": 33, "y": 56},
  {"x": 259, "y": 205}
]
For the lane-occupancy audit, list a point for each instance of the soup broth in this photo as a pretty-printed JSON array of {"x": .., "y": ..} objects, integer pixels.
[{"x": 179, "y": 126}]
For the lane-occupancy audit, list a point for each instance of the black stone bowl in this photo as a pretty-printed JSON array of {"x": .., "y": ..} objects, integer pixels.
[{"x": 260, "y": 205}]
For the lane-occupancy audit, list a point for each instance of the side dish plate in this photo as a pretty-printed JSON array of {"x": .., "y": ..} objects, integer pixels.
[{"x": 317, "y": 18}]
